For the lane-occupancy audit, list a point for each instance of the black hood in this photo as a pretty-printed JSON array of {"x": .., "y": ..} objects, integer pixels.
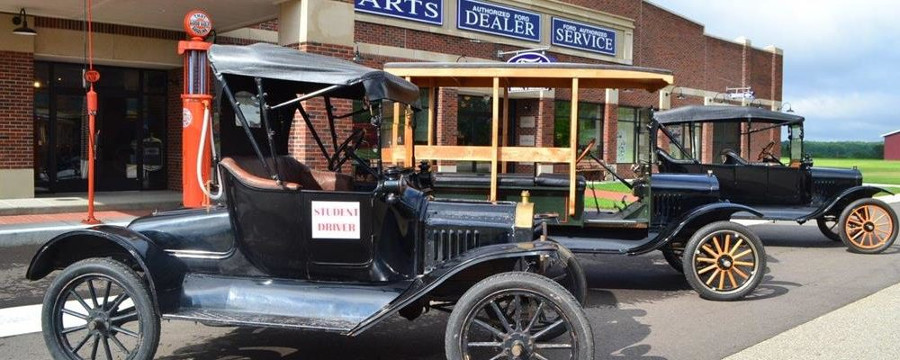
[{"x": 819, "y": 173}]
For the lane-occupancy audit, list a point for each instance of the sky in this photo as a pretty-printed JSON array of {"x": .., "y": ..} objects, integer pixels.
[{"x": 841, "y": 58}]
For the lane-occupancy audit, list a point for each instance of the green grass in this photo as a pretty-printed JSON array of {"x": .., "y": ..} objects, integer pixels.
[
  {"x": 612, "y": 186},
  {"x": 606, "y": 204},
  {"x": 873, "y": 171}
]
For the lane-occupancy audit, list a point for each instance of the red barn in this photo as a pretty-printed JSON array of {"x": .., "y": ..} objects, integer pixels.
[{"x": 892, "y": 145}]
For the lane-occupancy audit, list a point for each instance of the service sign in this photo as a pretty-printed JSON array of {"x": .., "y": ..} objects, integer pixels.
[
  {"x": 498, "y": 20},
  {"x": 335, "y": 220},
  {"x": 425, "y": 11},
  {"x": 575, "y": 35}
]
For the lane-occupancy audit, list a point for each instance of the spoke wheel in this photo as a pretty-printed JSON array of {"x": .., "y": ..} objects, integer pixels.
[
  {"x": 99, "y": 309},
  {"x": 869, "y": 226},
  {"x": 828, "y": 225},
  {"x": 724, "y": 261},
  {"x": 499, "y": 318}
]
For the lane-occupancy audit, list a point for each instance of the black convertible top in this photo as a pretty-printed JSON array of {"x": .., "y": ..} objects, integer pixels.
[
  {"x": 720, "y": 113},
  {"x": 310, "y": 72}
]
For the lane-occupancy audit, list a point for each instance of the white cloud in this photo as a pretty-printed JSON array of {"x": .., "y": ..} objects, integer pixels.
[{"x": 841, "y": 58}]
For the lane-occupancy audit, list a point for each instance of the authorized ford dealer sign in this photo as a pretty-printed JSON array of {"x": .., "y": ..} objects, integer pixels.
[
  {"x": 425, "y": 11},
  {"x": 575, "y": 35},
  {"x": 498, "y": 20}
]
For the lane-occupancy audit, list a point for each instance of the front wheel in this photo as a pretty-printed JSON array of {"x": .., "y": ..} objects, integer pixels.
[
  {"x": 496, "y": 318},
  {"x": 99, "y": 309},
  {"x": 868, "y": 226},
  {"x": 724, "y": 261}
]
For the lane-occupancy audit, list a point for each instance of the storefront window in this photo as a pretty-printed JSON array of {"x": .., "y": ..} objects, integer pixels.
[
  {"x": 364, "y": 120},
  {"x": 690, "y": 138},
  {"x": 632, "y": 136},
  {"x": 590, "y": 125},
  {"x": 474, "y": 128},
  {"x": 130, "y": 128}
]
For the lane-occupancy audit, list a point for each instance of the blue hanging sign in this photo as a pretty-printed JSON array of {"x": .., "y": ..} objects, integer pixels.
[
  {"x": 529, "y": 58},
  {"x": 498, "y": 20},
  {"x": 575, "y": 35},
  {"x": 425, "y": 11}
]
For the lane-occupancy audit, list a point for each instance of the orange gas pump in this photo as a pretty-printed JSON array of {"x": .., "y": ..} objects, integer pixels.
[{"x": 196, "y": 103}]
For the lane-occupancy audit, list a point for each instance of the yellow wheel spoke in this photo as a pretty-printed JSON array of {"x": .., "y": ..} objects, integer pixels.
[
  {"x": 879, "y": 218},
  {"x": 744, "y": 263},
  {"x": 736, "y": 246},
  {"x": 712, "y": 277},
  {"x": 709, "y": 250},
  {"x": 722, "y": 280},
  {"x": 742, "y": 254},
  {"x": 727, "y": 243},
  {"x": 850, "y": 220},
  {"x": 853, "y": 237},
  {"x": 706, "y": 269},
  {"x": 706, "y": 260},
  {"x": 731, "y": 279},
  {"x": 739, "y": 272},
  {"x": 715, "y": 240}
]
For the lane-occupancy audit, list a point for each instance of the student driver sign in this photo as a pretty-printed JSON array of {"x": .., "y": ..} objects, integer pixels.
[{"x": 335, "y": 220}]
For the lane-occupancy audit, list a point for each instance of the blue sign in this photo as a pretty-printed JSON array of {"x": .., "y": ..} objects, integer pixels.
[
  {"x": 585, "y": 37},
  {"x": 426, "y": 11},
  {"x": 498, "y": 20},
  {"x": 529, "y": 58}
]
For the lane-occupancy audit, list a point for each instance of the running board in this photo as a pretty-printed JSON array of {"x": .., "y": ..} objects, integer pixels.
[{"x": 281, "y": 303}]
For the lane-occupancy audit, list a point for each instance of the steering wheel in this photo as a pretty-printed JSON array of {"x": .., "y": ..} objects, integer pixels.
[
  {"x": 347, "y": 149},
  {"x": 587, "y": 149},
  {"x": 766, "y": 154}
]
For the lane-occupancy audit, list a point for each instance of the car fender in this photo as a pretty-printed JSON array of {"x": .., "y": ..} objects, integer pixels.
[
  {"x": 845, "y": 197},
  {"x": 423, "y": 285},
  {"x": 696, "y": 218},
  {"x": 163, "y": 272}
]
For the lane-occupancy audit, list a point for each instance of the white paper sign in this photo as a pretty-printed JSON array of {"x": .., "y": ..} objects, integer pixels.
[
  {"x": 526, "y": 122},
  {"x": 335, "y": 220}
]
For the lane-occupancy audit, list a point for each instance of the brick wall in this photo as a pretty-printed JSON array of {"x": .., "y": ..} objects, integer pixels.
[
  {"x": 173, "y": 129},
  {"x": 16, "y": 110}
]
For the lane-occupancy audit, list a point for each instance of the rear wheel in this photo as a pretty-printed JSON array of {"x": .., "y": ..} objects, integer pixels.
[
  {"x": 99, "y": 309},
  {"x": 828, "y": 225},
  {"x": 724, "y": 261},
  {"x": 496, "y": 318},
  {"x": 868, "y": 226}
]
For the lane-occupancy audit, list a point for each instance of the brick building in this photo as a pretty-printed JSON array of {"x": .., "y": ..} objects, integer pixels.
[
  {"x": 892, "y": 145},
  {"x": 43, "y": 124}
]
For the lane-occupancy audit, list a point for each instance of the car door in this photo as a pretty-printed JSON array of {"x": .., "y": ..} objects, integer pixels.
[{"x": 338, "y": 229}]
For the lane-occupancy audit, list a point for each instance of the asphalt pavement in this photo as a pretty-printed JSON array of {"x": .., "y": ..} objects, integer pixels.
[{"x": 818, "y": 300}]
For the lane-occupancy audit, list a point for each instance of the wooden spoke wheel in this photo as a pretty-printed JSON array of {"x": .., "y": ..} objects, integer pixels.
[
  {"x": 828, "y": 225},
  {"x": 99, "y": 309},
  {"x": 724, "y": 261},
  {"x": 868, "y": 226},
  {"x": 505, "y": 317}
]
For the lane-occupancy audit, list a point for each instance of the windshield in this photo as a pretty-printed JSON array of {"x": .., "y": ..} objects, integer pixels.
[{"x": 794, "y": 142}]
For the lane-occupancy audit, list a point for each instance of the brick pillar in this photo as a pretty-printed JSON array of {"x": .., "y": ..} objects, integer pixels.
[
  {"x": 17, "y": 124},
  {"x": 707, "y": 147},
  {"x": 446, "y": 123}
]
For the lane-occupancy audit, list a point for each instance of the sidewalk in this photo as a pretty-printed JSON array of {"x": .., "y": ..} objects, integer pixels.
[
  {"x": 103, "y": 201},
  {"x": 866, "y": 329}
]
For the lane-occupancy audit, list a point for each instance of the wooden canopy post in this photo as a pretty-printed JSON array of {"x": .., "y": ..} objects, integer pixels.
[
  {"x": 395, "y": 133},
  {"x": 408, "y": 140},
  {"x": 495, "y": 137},
  {"x": 573, "y": 146},
  {"x": 506, "y": 124},
  {"x": 432, "y": 100}
]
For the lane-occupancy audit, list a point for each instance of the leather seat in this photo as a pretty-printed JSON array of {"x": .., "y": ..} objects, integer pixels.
[
  {"x": 295, "y": 175},
  {"x": 523, "y": 181}
]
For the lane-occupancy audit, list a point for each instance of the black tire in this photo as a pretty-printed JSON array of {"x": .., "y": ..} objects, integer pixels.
[
  {"x": 673, "y": 252},
  {"x": 725, "y": 260},
  {"x": 527, "y": 296},
  {"x": 109, "y": 329},
  {"x": 828, "y": 225},
  {"x": 868, "y": 226},
  {"x": 571, "y": 276}
]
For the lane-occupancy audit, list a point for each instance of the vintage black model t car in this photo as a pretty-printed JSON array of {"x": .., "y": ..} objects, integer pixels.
[
  {"x": 725, "y": 261},
  {"x": 793, "y": 189},
  {"x": 297, "y": 247}
]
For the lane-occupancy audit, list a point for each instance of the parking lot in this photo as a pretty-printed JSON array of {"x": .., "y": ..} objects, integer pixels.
[{"x": 638, "y": 306}]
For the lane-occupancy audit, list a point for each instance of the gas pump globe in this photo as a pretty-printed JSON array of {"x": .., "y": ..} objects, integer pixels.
[{"x": 196, "y": 102}]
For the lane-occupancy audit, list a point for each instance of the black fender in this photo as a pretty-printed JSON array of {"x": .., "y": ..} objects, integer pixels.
[
  {"x": 423, "y": 285},
  {"x": 695, "y": 219},
  {"x": 843, "y": 199},
  {"x": 163, "y": 273}
]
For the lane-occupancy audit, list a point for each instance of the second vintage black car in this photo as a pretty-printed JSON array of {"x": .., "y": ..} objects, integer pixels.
[{"x": 788, "y": 187}]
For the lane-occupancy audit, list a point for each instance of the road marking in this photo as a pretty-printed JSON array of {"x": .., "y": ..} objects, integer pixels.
[{"x": 27, "y": 319}]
